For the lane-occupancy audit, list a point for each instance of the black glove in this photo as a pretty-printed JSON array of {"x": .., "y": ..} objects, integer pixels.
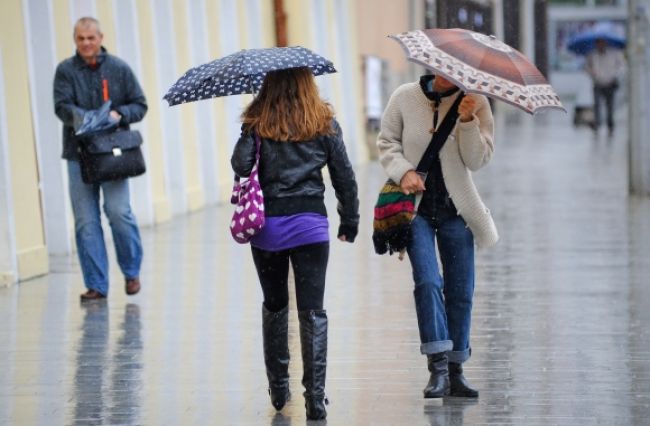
[{"x": 350, "y": 232}]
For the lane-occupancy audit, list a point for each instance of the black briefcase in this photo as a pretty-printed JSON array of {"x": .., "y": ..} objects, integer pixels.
[{"x": 111, "y": 156}]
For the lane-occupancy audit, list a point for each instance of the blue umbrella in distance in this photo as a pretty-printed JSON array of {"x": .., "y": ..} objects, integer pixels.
[{"x": 585, "y": 42}]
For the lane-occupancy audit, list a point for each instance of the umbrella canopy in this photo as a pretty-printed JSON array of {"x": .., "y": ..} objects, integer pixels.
[
  {"x": 584, "y": 43},
  {"x": 481, "y": 64},
  {"x": 242, "y": 72},
  {"x": 93, "y": 120}
]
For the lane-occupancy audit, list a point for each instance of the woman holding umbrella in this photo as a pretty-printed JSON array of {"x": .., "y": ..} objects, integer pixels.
[
  {"x": 451, "y": 215},
  {"x": 299, "y": 137},
  {"x": 448, "y": 201}
]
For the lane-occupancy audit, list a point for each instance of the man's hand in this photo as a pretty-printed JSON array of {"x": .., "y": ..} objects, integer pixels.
[
  {"x": 116, "y": 116},
  {"x": 411, "y": 183},
  {"x": 466, "y": 108}
]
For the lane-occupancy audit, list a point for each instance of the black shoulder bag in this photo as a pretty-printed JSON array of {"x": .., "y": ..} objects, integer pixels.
[{"x": 111, "y": 156}]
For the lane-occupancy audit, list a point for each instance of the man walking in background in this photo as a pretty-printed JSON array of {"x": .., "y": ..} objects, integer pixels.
[
  {"x": 82, "y": 83},
  {"x": 605, "y": 65}
]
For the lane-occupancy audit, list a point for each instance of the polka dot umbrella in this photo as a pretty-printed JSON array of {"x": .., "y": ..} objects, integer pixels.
[
  {"x": 481, "y": 64},
  {"x": 242, "y": 72}
]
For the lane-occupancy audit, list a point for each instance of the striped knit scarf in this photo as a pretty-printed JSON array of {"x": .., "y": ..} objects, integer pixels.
[{"x": 394, "y": 212}]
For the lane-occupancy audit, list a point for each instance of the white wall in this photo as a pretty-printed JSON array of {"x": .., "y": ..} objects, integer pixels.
[
  {"x": 172, "y": 134},
  {"x": 347, "y": 67},
  {"x": 230, "y": 43},
  {"x": 205, "y": 112},
  {"x": 8, "y": 267},
  {"x": 41, "y": 56},
  {"x": 128, "y": 49},
  {"x": 321, "y": 36},
  {"x": 81, "y": 8}
]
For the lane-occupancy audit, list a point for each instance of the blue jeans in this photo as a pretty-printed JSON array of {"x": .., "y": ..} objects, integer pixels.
[
  {"x": 443, "y": 306},
  {"x": 89, "y": 235}
]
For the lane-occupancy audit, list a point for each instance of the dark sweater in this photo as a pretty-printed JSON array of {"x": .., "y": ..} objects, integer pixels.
[{"x": 435, "y": 203}]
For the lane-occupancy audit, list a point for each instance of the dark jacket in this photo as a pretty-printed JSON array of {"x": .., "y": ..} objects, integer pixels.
[
  {"x": 78, "y": 88},
  {"x": 291, "y": 178}
]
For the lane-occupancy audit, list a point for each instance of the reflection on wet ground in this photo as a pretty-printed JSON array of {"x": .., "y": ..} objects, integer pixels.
[{"x": 561, "y": 325}]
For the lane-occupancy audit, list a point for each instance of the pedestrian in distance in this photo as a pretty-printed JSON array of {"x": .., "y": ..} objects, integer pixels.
[
  {"x": 605, "y": 65},
  {"x": 82, "y": 83},
  {"x": 450, "y": 215},
  {"x": 299, "y": 137}
]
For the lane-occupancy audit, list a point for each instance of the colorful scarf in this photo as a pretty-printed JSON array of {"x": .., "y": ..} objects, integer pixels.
[{"x": 394, "y": 212}]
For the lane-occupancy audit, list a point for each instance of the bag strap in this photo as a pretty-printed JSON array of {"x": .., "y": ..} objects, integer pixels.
[
  {"x": 440, "y": 136},
  {"x": 258, "y": 146}
]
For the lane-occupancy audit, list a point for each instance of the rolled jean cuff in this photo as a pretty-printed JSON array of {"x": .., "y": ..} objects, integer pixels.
[
  {"x": 436, "y": 347},
  {"x": 459, "y": 357}
]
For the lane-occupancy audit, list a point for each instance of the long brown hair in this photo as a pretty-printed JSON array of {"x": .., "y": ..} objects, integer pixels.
[{"x": 289, "y": 108}]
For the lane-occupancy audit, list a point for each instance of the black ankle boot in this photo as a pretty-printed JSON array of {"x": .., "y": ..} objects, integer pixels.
[
  {"x": 313, "y": 340},
  {"x": 438, "y": 385},
  {"x": 275, "y": 327},
  {"x": 459, "y": 386}
]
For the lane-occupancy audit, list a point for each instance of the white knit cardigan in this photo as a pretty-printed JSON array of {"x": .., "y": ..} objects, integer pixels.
[{"x": 405, "y": 135}]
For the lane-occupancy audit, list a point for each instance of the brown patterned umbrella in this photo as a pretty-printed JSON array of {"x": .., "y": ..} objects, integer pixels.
[{"x": 481, "y": 64}]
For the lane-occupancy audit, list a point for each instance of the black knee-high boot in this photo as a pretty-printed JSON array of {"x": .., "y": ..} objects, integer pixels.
[
  {"x": 275, "y": 327},
  {"x": 459, "y": 384},
  {"x": 313, "y": 339},
  {"x": 438, "y": 385}
]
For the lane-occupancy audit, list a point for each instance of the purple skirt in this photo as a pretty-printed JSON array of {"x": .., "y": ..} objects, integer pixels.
[{"x": 285, "y": 232}]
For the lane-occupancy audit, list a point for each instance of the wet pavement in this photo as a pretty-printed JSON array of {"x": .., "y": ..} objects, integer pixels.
[{"x": 561, "y": 330}]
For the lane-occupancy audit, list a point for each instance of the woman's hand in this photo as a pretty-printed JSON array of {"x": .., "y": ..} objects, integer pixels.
[
  {"x": 411, "y": 183},
  {"x": 466, "y": 108},
  {"x": 347, "y": 233}
]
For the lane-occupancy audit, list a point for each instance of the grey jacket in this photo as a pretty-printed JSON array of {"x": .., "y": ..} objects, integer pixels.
[
  {"x": 291, "y": 178},
  {"x": 78, "y": 88}
]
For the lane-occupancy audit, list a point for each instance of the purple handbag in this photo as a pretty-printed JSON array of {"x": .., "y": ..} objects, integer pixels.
[{"x": 248, "y": 218}]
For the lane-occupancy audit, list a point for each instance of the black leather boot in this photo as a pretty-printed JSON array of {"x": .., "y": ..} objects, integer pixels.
[
  {"x": 275, "y": 327},
  {"x": 313, "y": 340},
  {"x": 459, "y": 386},
  {"x": 438, "y": 385}
]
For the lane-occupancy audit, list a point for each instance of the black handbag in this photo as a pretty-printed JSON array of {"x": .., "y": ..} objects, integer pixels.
[{"x": 111, "y": 156}]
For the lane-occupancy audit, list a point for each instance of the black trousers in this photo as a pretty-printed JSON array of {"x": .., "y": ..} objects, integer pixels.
[
  {"x": 309, "y": 267},
  {"x": 606, "y": 94}
]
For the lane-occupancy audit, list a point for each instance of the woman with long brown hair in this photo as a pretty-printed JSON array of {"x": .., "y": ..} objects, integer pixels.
[{"x": 299, "y": 137}]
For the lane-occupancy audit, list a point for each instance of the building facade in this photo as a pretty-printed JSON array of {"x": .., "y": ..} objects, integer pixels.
[{"x": 187, "y": 148}]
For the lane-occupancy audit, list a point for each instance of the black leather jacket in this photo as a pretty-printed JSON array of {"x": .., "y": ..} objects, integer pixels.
[{"x": 291, "y": 178}]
